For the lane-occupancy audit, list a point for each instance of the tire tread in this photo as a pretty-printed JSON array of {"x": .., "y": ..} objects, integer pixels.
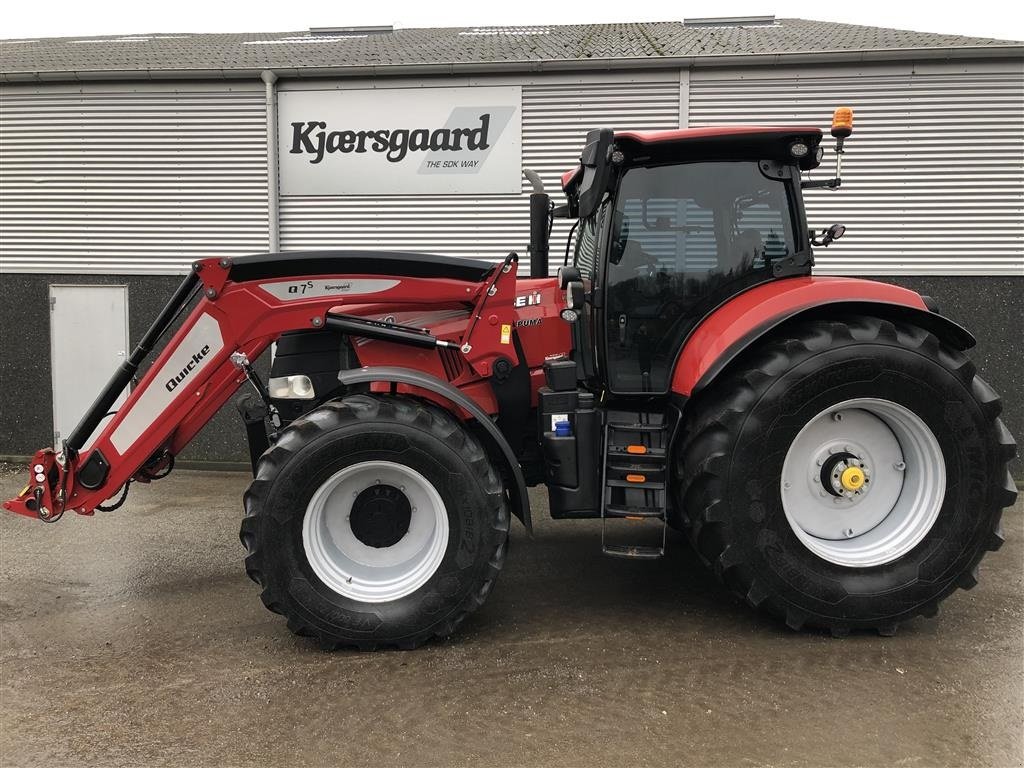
[
  {"x": 715, "y": 418},
  {"x": 364, "y": 409}
]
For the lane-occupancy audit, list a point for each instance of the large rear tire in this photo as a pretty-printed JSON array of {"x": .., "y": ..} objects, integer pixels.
[
  {"x": 846, "y": 474},
  {"x": 375, "y": 521}
]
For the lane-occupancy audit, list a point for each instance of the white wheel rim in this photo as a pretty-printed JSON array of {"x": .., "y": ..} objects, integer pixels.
[
  {"x": 374, "y": 574},
  {"x": 902, "y": 482}
]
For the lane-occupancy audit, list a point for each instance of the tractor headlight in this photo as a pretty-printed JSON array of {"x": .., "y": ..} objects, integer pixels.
[
  {"x": 798, "y": 149},
  {"x": 291, "y": 388},
  {"x": 569, "y": 315}
]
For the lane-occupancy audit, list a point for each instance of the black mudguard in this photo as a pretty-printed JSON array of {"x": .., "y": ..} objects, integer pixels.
[{"x": 499, "y": 445}]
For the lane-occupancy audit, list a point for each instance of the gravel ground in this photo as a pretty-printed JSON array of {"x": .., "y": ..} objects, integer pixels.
[{"x": 135, "y": 638}]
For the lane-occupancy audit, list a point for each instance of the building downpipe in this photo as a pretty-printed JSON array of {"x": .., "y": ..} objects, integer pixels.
[{"x": 273, "y": 203}]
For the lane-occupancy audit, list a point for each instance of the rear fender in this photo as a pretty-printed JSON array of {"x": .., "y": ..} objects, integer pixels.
[
  {"x": 743, "y": 320},
  {"x": 498, "y": 446}
]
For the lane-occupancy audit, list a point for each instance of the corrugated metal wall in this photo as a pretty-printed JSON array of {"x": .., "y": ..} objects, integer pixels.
[
  {"x": 933, "y": 177},
  {"x": 555, "y": 120},
  {"x": 130, "y": 181},
  {"x": 146, "y": 178}
]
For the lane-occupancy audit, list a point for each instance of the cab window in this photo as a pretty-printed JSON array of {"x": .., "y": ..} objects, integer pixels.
[{"x": 684, "y": 238}]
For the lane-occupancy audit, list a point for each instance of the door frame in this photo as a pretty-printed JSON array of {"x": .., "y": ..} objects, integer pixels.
[{"x": 53, "y": 339}]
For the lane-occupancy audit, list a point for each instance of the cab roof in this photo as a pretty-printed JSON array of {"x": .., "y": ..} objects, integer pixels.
[{"x": 738, "y": 142}]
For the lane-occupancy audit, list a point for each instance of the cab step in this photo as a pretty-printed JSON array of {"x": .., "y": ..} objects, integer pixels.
[
  {"x": 630, "y": 512},
  {"x": 634, "y": 479},
  {"x": 638, "y": 552}
]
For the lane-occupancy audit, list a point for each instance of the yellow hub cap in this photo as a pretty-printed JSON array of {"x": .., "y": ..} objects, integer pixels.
[{"x": 852, "y": 478}]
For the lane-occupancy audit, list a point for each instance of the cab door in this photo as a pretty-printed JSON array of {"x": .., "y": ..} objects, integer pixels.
[{"x": 681, "y": 240}]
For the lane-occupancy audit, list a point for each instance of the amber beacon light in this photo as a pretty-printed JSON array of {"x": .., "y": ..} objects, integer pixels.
[
  {"x": 842, "y": 128},
  {"x": 842, "y": 122}
]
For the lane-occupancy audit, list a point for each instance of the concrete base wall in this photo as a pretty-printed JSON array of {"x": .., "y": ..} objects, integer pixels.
[
  {"x": 26, "y": 418},
  {"x": 991, "y": 307}
]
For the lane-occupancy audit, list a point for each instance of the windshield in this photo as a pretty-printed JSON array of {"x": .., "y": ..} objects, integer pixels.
[{"x": 684, "y": 238}]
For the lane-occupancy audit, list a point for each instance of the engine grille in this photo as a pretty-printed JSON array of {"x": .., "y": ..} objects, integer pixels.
[{"x": 452, "y": 361}]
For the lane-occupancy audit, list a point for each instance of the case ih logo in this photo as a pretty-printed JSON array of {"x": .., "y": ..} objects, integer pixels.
[
  {"x": 197, "y": 358},
  {"x": 527, "y": 300},
  {"x": 313, "y": 138}
]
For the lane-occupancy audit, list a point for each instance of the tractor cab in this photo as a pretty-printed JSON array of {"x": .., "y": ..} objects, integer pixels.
[{"x": 671, "y": 225}]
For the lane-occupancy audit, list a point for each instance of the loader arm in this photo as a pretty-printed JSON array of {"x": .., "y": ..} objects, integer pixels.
[{"x": 242, "y": 309}]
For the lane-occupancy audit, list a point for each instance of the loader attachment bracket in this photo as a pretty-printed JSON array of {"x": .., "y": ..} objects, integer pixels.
[{"x": 254, "y": 413}]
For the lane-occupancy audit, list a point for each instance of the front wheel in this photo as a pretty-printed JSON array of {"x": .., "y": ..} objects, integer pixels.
[
  {"x": 375, "y": 521},
  {"x": 846, "y": 474}
]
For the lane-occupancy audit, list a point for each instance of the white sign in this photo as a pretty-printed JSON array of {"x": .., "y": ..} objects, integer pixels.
[{"x": 400, "y": 141}]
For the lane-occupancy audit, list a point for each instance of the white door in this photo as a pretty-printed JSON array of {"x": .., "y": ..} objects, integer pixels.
[{"x": 88, "y": 342}]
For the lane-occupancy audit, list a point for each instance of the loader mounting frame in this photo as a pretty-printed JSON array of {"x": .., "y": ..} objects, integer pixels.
[{"x": 242, "y": 309}]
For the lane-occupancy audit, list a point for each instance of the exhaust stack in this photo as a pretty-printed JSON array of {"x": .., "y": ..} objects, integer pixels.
[{"x": 540, "y": 225}]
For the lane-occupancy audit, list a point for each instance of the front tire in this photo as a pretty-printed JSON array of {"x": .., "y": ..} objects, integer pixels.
[
  {"x": 375, "y": 521},
  {"x": 772, "y": 481}
]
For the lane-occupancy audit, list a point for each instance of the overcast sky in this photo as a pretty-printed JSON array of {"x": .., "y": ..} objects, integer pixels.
[{"x": 64, "y": 18}]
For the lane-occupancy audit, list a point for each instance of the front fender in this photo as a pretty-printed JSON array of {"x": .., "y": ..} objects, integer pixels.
[
  {"x": 741, "y": 321},
  {"x": 499, "y": 445}
]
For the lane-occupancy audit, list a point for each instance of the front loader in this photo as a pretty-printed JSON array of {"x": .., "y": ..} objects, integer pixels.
[{"x": 824, "y": 443}]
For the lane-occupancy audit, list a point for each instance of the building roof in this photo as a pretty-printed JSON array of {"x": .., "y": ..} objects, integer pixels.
[{"x": 380, "y": 51}]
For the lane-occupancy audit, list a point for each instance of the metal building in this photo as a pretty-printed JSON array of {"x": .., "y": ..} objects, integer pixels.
[{"x": 122, "y": 159}]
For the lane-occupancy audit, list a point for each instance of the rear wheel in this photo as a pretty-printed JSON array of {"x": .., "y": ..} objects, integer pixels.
[
  {"x": 846, "y": 474},
  {"x": 375, "y": 521}
]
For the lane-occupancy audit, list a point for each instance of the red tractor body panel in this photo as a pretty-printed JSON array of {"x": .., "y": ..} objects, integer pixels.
[
  {"x": 725, "y": 331},
  {"x": 194, "y": 376},
  {"x": 542, "y": 335}
]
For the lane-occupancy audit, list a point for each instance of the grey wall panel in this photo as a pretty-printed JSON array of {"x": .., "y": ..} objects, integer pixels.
[
  {"x": 556, "y": 117},
  {"x": 933, "y": 178},
  {"x": 140, "y": 180},
  {"x": 26, "y": 419}
]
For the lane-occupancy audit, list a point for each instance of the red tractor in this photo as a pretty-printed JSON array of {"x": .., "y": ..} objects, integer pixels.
[{"x": 824, "y": 442}]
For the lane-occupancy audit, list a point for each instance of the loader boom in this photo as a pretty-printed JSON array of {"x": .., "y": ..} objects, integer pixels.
[{"x": 194, "y": 375}]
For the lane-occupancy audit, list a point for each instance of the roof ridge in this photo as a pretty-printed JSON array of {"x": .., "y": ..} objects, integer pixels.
[{"x": 482, "y": 48}]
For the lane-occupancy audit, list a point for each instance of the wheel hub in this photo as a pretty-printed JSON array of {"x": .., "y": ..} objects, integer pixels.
[
  {"x": 852, "y": 479},
  {"x": 375, "y": 531},
  {"x": 380, "y": 516},
  {"x": 843, "y": 474},
  {"x": 863, "y": 482}
]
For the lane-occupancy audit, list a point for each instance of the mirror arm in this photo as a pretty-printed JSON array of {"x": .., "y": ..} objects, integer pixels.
[{"x": 825, "y": 184}]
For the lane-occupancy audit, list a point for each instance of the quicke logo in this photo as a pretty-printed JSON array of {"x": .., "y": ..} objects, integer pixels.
[
  {"x": 314, "y": 138},
  {"x": 197, "y": 358}
]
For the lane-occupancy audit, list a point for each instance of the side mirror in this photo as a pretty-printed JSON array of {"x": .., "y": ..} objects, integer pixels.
[
  {"x": 829, "y": 235},
  {"x": 574, "y": 295},
  {"x": 568, "y": 275},
  {"x": 596, "y": 170}
]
